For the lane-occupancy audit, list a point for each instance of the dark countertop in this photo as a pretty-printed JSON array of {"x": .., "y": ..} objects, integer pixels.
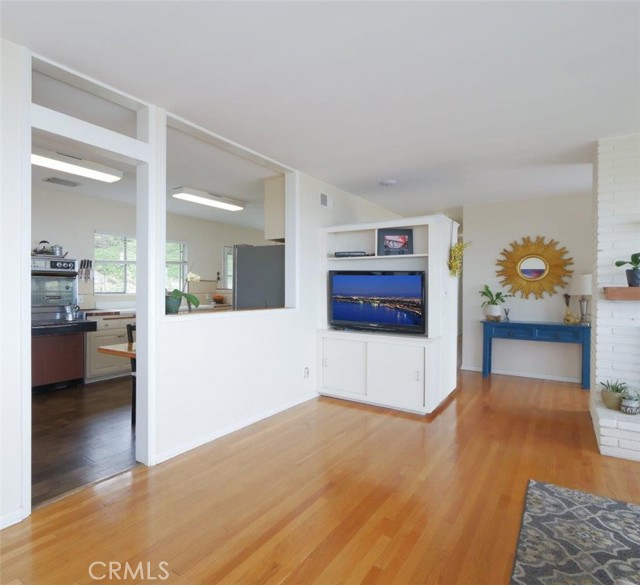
[{"x": 61, "y": 327}]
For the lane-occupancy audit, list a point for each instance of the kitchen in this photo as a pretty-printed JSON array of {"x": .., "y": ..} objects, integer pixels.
[{"x": 74, "y": 213}]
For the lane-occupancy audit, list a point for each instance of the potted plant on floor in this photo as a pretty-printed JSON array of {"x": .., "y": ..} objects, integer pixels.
[
  {"x": 630, "y": 403},
  {"x": 492, "y": 305},
  {"x": 633, "y": 273},
  {"x": 612, "y": 393}
]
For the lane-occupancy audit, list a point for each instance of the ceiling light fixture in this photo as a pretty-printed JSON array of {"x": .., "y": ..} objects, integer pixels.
[
  {"x": 204, "y": 198},
  {"x": 74, "y": 166}
]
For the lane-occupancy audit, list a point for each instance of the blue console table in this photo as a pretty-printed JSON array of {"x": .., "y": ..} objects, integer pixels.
[{"x": 554, "y": 332}]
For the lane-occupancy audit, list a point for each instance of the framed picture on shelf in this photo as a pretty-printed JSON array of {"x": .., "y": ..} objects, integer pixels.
[{"x": 395, "y": 242}]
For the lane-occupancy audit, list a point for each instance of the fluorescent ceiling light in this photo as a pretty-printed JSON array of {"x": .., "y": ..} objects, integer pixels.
[
  {"x": 204, "y": 198},
  {"x": 75, "y": 166}
]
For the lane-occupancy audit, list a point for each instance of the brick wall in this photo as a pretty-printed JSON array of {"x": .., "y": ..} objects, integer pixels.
[{"x": 616, "y": 324}]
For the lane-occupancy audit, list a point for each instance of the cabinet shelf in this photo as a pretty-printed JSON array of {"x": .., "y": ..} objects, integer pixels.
[{"x": 394, "y": 257}]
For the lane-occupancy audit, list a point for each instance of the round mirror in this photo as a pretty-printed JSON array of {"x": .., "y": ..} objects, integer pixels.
[{"x": 533, "y": 268}]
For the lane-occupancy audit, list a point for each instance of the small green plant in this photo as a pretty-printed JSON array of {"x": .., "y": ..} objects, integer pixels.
[
  {"x": 615, "y": 387},
  {"x": 631, "y": 395},
  {"x": 493, "y": 298},
  {"x": 634, "y": 262},
  {"x": 191, "y": 299}
]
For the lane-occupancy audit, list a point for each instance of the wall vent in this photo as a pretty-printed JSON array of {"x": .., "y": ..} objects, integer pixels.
[
  {"x": 62, "y": 182},
  {"x": 326, "y": 201}
]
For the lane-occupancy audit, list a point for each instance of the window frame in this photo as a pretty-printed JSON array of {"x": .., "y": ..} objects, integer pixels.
[{"x": 183, "y": 264}]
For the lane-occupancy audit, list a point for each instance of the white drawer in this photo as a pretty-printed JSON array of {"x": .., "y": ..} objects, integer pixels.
[{"x": 115, "y": 322}]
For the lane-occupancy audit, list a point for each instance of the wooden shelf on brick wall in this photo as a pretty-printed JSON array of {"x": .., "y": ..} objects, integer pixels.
[{"x": 622, "y": 293}]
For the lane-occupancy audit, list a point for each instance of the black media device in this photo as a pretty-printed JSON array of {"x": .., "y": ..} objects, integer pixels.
[{"x": 390, "y": 301}]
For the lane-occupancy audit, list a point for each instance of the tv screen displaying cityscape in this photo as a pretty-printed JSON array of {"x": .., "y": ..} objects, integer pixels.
[{"x": 375, "y": 300}]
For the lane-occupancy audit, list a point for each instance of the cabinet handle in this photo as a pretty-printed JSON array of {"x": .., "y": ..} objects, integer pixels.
[
  {"x": 121, "y": 336},
  {"x": 417, "y": 375}
]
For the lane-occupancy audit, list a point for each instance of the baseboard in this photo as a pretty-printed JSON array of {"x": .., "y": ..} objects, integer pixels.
[
  {"x": 13, "y": 518},
  {"x": 232, "y": 428},
  {"x": 523, "y": 374}
]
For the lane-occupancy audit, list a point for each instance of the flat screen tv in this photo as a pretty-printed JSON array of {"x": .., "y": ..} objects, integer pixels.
[{"x": 377, "y": 301}]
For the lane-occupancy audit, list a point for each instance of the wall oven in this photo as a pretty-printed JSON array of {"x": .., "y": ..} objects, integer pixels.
[{"x": 54, "y": 284}]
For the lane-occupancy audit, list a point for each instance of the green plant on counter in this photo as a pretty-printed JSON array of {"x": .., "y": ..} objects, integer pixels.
[
  {"x": 492, "y": 298},
  {"x": 634, "y": 262},
  {"x": 615, "y": 387},
  {"x": 191, "y": 299}
]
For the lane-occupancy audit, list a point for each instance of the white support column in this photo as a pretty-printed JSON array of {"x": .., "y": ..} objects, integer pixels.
[
  {"x": 151, "y": 230},
  {"x": 15, "y": 283}
]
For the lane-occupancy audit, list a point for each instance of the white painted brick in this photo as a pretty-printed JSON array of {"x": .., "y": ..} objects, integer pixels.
[
  {"x": 609, "y": 441},
  {"x": 620, "y": 434},
  {"x": 630, "y": 426},
  {"x": 633, "y": 445},
  {"x": 611, "y": 423},
  {"x": 621, "y": 453}
]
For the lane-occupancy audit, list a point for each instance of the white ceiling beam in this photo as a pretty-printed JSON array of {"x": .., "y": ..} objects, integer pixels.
[{"x": 60, "y": 124}]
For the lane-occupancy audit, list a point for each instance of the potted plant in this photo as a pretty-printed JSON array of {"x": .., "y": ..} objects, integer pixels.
[
  {"x": 633, "y": 273},
  {"x": 492, "y": 304},
  {"x": 630, "y": 403},
  {"x": 612, "y": 393},
  {"x": 173, "y": 299}
]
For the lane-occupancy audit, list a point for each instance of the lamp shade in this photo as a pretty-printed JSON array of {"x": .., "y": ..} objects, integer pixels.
[{"x": 580, "y": 285}]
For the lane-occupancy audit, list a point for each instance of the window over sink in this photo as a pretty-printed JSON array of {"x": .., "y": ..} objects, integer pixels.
[{"x": 115, "y": 264}]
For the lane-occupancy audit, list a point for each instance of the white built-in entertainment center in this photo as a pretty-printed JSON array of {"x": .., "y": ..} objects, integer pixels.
[{"x": 413, "y": 372}]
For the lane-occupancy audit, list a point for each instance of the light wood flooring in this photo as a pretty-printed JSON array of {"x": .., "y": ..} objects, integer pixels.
[
  {"x": 80, "y": 435},
  {"x": 332, "y": 492}
]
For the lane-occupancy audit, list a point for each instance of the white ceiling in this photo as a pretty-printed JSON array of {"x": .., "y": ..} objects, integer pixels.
[{"x": 461, "y": 102}]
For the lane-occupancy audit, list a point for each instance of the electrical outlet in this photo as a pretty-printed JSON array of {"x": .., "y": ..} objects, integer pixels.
[{"x": 306, "y": 372}]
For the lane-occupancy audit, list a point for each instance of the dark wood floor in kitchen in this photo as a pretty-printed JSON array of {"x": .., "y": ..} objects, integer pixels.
[{"x": 80, "y": 435}]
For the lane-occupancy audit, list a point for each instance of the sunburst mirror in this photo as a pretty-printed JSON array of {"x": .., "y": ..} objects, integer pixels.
[{"x": 534, "y": 267}]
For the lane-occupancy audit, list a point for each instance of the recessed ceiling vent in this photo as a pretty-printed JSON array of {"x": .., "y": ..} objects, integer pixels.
[
  {"x": 326, "y": 201},
  {"x": 62, "y": 182}
]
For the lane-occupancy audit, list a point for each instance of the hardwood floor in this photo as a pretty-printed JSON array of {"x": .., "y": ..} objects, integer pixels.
[
  {"x": 80, "y": 435},
  {"x": 332, "y": 492}
]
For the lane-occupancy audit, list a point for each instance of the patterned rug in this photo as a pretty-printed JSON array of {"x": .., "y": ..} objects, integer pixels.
[{"x": 569, "y": 537}]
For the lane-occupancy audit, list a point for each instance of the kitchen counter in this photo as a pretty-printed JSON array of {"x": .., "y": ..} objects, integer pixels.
[{"x": 62, "y": 327}]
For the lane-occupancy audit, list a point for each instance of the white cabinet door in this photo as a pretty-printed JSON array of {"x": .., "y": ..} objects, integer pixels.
[
  {"x": 395, "y": 374},
  {"x": 344, "y": 366},
  {"x": 101, "y": 364}
]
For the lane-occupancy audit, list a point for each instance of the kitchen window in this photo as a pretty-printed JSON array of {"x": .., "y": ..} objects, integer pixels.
[
  {"x": 115, "y": 264},
  {"x": 227, "y": 263}
]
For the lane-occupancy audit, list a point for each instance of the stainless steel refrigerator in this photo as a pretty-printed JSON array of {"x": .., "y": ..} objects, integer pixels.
[{"x": 258, "y": 277}]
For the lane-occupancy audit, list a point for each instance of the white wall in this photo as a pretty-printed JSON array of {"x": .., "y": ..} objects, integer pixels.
[
  {"x": 490, "y": 229},
  {"x": 70, "y": 219},
  {"x": 15, "y": 335},
  {"x": 218, "y": 372},
  {"x": 616, "y": 335}
]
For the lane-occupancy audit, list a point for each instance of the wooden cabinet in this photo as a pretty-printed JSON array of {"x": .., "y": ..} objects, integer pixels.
[
  {"x": 385, "y": 370},
  {"x": 409, "y": 372},
  {"x": 395, "y": 375},
  {"x": 57, "y": 358},
  {"x": 274, "y": 203},
  {"x": 112, "y": 329},
  {"x": 344, "y": 365}
]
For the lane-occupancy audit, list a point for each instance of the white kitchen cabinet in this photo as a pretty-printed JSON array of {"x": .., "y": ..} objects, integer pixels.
[
  {"x": 111, "y": 329},
  {"x": 395, "y": 375},
  {"x": 344, "y": 365},
  {"x": 274, "y": 203}
]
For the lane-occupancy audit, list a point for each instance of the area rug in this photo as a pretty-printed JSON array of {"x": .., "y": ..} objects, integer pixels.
[{"x": 569, "y": 537}]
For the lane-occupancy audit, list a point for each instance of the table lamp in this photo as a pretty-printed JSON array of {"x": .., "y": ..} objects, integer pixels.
[{"x": 580, "y": 286}]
